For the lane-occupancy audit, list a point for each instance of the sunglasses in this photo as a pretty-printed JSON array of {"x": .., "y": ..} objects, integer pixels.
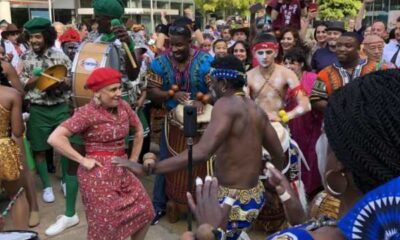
[{"x": 178, "y": 30}]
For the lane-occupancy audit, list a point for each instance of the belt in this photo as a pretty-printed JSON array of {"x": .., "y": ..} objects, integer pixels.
[{"x": 107, "y": 153}]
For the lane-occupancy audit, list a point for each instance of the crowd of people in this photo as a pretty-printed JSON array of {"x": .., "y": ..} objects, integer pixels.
[{"x": 289, "y": 107}]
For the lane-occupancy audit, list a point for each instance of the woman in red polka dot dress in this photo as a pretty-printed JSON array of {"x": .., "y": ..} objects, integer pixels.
[{"x": 116, "y": 203}]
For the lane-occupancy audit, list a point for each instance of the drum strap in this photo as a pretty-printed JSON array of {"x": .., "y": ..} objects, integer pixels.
[{"x": 210, "y": 162}]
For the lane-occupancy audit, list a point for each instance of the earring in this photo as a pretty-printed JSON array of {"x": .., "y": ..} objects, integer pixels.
[
  {"x": 328, "y": 186},
  {"x": 97, "y": 99}
]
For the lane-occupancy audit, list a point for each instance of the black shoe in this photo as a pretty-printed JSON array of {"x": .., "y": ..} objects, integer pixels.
[{"x": 157, "y": 218}]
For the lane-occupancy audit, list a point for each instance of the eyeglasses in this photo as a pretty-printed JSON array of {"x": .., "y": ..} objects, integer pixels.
[{"x": 178, "y": 30}]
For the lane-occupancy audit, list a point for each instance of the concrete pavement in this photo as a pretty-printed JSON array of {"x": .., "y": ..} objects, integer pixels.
[{"x": 49, "y": 212}]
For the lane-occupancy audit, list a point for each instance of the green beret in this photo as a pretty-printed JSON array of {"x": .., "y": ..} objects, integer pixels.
[
  {"x": 37, "y": 25},
  {"x": 111, "y": 8}
]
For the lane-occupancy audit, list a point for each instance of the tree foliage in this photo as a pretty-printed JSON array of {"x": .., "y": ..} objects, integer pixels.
[
  {"x": 338, "y": 9},
  {"x": 225, "y": 6}
]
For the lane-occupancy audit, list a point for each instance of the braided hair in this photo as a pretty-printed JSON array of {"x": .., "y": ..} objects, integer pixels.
[{"x": 362, "y": 123}]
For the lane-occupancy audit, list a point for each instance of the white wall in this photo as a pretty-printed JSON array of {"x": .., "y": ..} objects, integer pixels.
[
  {"x": 5, "y": 11},
  {"x": 64, "y": 4}
]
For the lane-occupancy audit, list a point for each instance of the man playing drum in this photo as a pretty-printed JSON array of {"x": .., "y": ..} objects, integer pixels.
[
  {"x": 174, "y": 78},
  {"x": 235, "y": 134},
  {"x": 47, "y": 108},
  {"x": 268, "y": 83},
  {"x": 107, "y": 12}
]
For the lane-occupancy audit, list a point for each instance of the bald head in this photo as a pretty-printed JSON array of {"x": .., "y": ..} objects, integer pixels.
[
  {"x": 373, "y": 47},
  {"x": 379, "y": 29}
]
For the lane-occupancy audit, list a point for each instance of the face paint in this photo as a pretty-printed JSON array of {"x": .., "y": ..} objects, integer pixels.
[
  {"x": 278, "y": 104},
  {"x": 265, "y": 57}
]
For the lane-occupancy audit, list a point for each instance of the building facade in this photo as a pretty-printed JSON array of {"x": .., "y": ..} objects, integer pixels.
[{"x": 72, "y": 11}]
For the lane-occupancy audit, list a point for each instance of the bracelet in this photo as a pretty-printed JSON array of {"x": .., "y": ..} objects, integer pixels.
[
  {"x": 285, "y": 196},
  {"x": 219, "y": 234},
  {"x": 228, "y": 201}
]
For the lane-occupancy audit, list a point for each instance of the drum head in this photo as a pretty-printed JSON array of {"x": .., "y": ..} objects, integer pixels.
[
  {"x": 19, "y": 235},
  {"x": 58, "y": 71}
]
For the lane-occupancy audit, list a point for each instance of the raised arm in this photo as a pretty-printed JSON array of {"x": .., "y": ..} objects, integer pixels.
[
  {"x": 361, "y": 14},
  {"x": 217, "y": 131}
]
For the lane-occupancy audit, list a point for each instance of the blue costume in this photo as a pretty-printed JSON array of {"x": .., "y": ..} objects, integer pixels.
[{"x": 163, "y": 74}]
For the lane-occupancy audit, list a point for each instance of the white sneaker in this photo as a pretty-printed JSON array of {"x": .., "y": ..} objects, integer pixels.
[
  {"x": 48, "y": 195},
  {"x": 64, "y": 188},
  {"x": 63, "y": 222}
]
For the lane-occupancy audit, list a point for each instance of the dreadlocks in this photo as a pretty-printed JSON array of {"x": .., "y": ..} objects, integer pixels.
[{"x": 362, "y": 123}]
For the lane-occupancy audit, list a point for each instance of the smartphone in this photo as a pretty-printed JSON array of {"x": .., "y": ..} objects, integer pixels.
[
  {"x": 312, "y": 7},
  {"x": 256, "y": 7}
]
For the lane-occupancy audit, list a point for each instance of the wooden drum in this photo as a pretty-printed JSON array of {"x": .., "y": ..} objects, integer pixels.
[
  {"x": 176, "y": 182},
  {"x": 324, "y": 204},
  {"x": 90, "y": 56},
  {"x": 272, "y": 216}
]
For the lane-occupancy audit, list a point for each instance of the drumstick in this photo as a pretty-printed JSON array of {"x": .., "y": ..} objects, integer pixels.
[
  {"x": 12, "y": 202},
  {"x": 51, "y": 77},
  {"x": 117, "y": 23}
]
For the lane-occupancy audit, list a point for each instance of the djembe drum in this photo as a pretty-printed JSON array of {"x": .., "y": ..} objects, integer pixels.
[
  {"x": 176, "y": 182},
  {"x": 324, "y": 204},
  {"x": 272, "y": 216}
]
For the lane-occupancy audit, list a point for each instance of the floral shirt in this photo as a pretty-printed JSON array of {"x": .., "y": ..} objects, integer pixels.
[{"x": 49, "y": 58}]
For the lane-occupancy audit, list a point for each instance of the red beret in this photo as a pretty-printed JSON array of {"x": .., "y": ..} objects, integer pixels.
[
  {"x": 70, "y": 35},
  {"x": 102, "y": 77}
]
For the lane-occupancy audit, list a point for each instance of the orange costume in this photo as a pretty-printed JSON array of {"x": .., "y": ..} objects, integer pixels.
[{"x": 334, "y": 77}]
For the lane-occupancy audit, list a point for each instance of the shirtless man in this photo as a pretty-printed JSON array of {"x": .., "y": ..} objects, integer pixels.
[
  {"x": 236, "y": 133},
  {"x": 268, "y": 83}
]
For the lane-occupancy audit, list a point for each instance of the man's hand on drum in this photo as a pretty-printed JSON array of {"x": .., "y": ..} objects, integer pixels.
[
  {"x": 182, "y": 97},
  {"x": 134, "y": 167},
  {"x": 273, "y": 117},
  {"x": 65, "y": 82},
  {"x": 121, "y": 34},
  {"x": 199, "y": 105},
  {"x": 89, "y": 163}
]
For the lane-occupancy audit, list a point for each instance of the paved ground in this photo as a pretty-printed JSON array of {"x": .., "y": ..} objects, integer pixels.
[{"x": 48, "y": 213}]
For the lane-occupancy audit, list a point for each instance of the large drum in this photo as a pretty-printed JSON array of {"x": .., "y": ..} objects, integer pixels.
[
  {"x": 176, "y": 182},
  {"x": 89, "y": 57},
  {"x": 272, "y": 218},
  {"x": 324, "y": 204}
]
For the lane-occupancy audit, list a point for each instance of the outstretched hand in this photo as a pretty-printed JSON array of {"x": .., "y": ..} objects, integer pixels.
[
  {"x": 276, "y": 179},
  {"x": 208, "y": 210},
  {"x": 134, "y": 167}
]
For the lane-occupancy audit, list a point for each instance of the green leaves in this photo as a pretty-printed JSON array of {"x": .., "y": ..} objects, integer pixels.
[
  {"x": 338, "y": 9},
  {"x": 226, "y": 6}
]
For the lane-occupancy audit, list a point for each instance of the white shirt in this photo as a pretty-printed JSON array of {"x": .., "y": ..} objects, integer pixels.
[
  {"x": 10, "y": 48},
  {"x": 389, "y": 50}
]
